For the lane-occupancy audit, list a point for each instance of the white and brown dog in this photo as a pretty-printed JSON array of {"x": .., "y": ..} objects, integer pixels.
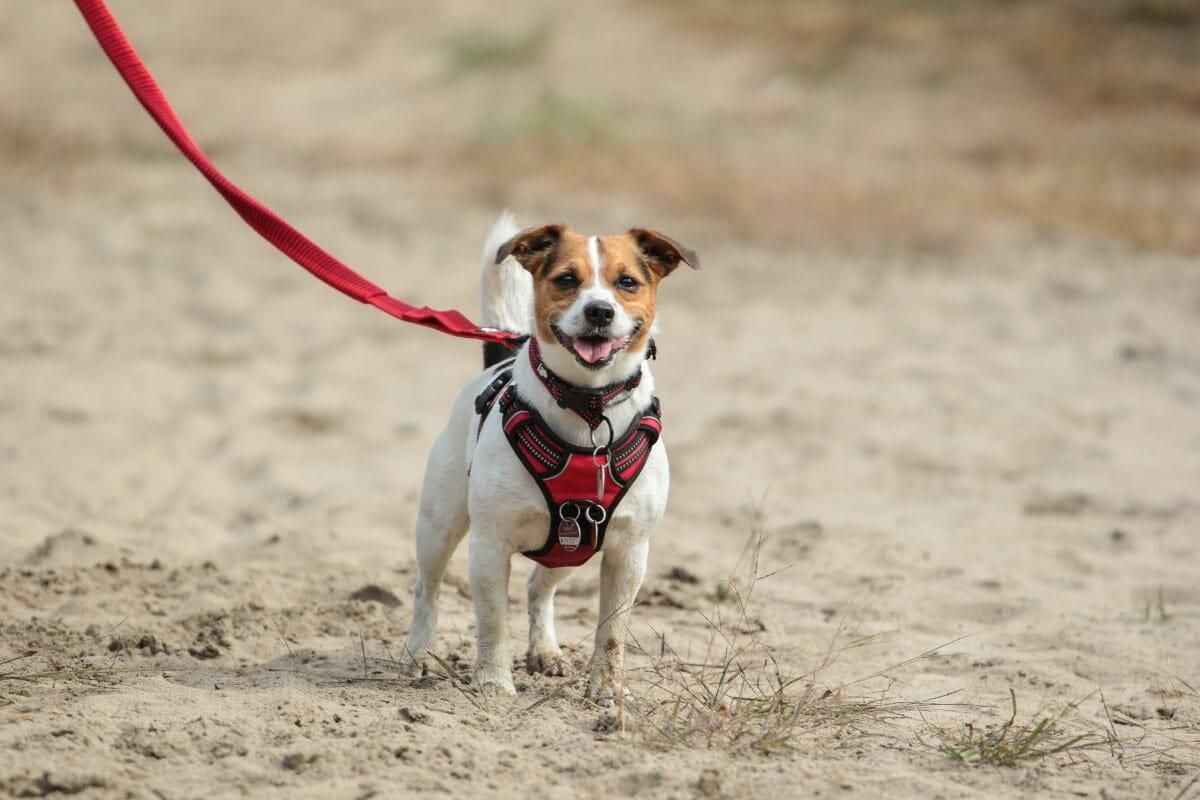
[{"x": 588, "y": 306}]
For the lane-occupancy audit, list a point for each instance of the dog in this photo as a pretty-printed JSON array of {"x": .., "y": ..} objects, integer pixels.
[{"x": 582, "y": 380}]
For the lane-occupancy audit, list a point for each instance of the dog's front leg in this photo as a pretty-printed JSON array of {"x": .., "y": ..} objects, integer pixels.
[
  {"x": 490, "y": 558},
  {"x": 621, "y": 574},
  {"x": 544, "y": 654}
]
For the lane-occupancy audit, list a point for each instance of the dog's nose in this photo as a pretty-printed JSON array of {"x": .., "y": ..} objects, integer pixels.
[{"x": 598, "y": 313}]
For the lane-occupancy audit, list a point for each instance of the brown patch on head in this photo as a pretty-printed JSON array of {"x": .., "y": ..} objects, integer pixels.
[
  {"x": 558, "y": 260},
  {"x": 634, "y": 263},
  {"x": 634, "y": 284}
]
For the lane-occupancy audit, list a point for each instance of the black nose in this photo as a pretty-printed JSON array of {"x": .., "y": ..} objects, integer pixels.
[{"x": 598, "y": 313}]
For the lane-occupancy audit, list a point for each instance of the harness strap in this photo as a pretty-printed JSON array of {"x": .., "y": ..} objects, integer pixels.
[
  {"x": 487, "y": 398},
  {"x": 267, "y": 223},
  {"x": 586, "y": 402}
]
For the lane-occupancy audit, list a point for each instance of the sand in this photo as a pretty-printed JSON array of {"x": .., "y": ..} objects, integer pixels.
[{"x": 985, "y": 451}]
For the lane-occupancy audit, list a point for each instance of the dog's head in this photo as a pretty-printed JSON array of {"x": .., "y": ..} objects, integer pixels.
[{"x": 595, "y": 296}]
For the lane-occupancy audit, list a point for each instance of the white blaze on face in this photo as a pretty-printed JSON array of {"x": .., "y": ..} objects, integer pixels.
[
  {"x": 594, "y": 259},
  {"x": 575, "y": 324}
]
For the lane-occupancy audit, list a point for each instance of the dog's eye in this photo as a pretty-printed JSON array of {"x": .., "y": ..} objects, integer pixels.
[
  {"x": 568, "y": 280},
  {"x": 628, "y": 284}
]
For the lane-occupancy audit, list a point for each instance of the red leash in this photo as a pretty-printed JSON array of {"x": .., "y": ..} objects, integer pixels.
[{"x": 269, "y": 225}]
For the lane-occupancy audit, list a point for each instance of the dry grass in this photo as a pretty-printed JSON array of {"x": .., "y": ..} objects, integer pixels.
[
  {"x": 739, "y": 696},
  {"x": 1011, "y": 743},
  {"x": 742, "y": 698}
]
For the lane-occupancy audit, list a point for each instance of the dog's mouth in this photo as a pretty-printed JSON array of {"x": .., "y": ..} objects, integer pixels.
[{"x": 594, "y": 350}]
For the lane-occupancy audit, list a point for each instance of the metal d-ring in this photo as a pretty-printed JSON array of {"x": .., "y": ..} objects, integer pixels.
[
  {"x": 611, "y": 435},
  {"x": 562, "y": 510},
  {"x": 587, "y": 513}
]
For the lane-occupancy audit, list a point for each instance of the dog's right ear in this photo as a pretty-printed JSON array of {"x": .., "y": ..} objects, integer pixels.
[{"x": 532, "y": 247}]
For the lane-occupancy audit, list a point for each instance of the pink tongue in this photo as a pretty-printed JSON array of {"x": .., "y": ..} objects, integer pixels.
[{"x": 593, "y": 350}]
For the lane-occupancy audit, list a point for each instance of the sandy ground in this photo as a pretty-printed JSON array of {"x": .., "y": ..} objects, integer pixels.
[{"x": 985, "y": 443}]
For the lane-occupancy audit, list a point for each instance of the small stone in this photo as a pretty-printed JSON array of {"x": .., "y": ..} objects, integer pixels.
[
  {"x": 709, "y": 784},
  {"x": 1066, "y": 504},
  {"x": 409, "y": 714},
  {"x": 298, "y": 762},
  {"x": 204, "y": 653},
  {"x": 150, "y": 643},
  {"x": 681, "y": 575},
  {"x": 373, "y": 593}
]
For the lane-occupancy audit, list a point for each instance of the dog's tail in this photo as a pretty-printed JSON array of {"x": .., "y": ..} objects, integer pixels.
[{"x": 506, "y": 289}]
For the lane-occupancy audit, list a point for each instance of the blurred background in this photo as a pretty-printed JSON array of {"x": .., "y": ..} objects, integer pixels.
[
  {"x": 943, "y": 349},
  {"x": 881, "y": 124}
]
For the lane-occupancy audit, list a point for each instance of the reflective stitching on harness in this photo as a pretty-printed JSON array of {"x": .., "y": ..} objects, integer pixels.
[
  {"x": 537, "y": 449},
  {"x": 531, "y": 433},
  {"x": 634, "y": 453}
]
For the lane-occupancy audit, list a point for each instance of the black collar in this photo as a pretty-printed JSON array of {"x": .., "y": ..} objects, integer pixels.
[{"x": 586, "y": 402}]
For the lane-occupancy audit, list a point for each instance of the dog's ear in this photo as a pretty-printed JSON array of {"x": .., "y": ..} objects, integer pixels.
[
  {"x": 662, "y": 253},
  {"x": 532, "y": 247}
]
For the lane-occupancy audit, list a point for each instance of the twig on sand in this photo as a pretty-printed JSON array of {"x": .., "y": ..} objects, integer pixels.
[
  {"x": 454, "y": 678},
  {"x": 362, "y": 646}
]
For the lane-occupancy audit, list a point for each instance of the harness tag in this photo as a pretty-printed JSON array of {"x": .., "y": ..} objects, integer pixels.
[
  {"x": 569, "y": 534},
  {"x": 600, "y": 483}
]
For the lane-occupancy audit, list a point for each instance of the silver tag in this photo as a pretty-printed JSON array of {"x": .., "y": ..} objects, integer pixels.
[
  {"x": 601, "y": 467},
  {"x": 569, "y": 534}
]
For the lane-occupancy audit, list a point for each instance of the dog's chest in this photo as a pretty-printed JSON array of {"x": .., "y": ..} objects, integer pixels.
[{"x": 506, "y": 499}]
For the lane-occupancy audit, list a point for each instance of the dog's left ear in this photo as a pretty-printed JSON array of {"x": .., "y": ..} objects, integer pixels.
[
  {"x": 662, "y": 253},
  {"x": 532, "y": 247}
]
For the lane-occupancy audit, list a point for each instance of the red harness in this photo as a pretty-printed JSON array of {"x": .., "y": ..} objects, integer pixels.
[{"x": 582, "y": 486}]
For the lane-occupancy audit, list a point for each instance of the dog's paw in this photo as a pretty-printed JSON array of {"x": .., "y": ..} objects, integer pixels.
[
  {"x": 494, "y": 692},
  {"x": 605, "y": 694},
  {"x": 547, "y": 662},
  {"x": 494, "y": 682},
  {"x": 608, "y": 721}
]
